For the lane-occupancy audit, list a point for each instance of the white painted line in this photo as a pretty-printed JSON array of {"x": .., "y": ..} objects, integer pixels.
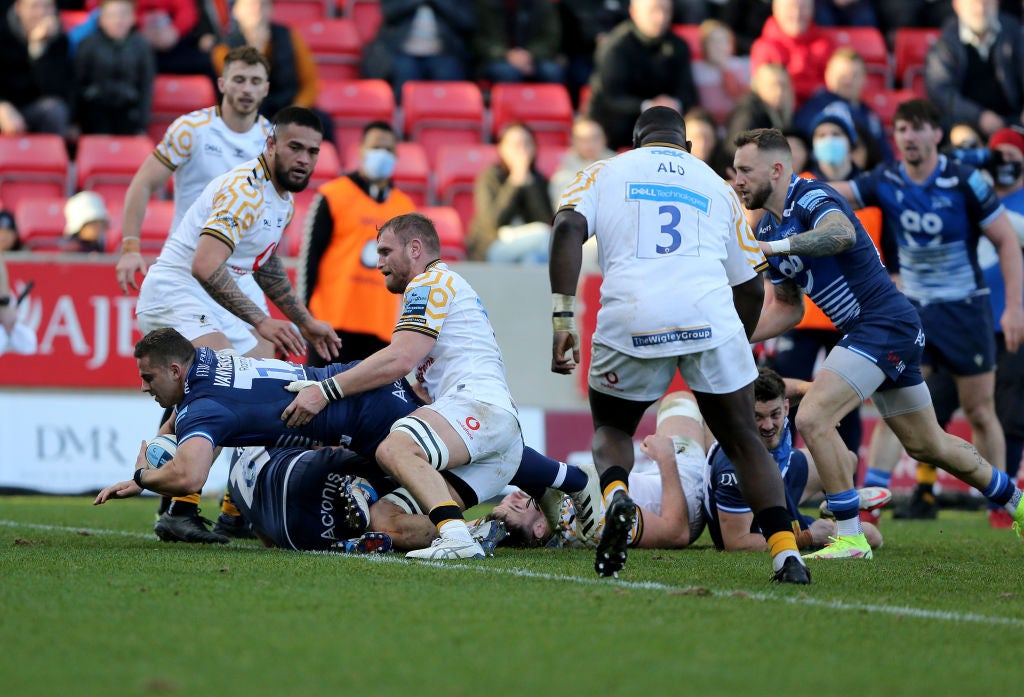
[{"x": 900, "y": 611}]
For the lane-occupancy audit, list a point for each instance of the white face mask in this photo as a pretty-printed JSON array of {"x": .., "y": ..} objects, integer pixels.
[
  {"x": 378, "y": 163},
  {"x": 832, "y": 150}
]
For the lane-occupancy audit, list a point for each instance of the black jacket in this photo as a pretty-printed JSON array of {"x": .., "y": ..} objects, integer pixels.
[{"x": 23, "y": 80}]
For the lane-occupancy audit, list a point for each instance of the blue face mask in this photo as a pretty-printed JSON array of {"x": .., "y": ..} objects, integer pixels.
[
  {"x": 378, "y": 163},
  {"x": 832, "y": 150}
]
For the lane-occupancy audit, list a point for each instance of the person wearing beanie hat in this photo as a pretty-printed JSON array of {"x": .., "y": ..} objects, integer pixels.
[
  {"x": 10, "y": 241},
  {"x": 833, "y": 137},
  {"x": 85, "y": 222}
]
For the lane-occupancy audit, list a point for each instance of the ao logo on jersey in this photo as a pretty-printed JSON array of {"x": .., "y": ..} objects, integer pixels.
[{"x": 915, "y": 222}]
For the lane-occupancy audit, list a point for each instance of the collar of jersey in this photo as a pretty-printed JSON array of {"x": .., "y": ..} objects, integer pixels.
[
  {"x": 940, "y": 166},
  {"x": 266, "y": 168},
  {"x": 663, "y": 145}
]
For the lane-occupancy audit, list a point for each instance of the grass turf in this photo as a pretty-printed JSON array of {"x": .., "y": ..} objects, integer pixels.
[{"x": 93, "y": 604}]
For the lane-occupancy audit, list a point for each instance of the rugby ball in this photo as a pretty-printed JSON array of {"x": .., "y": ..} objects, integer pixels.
[{"x": 161, "y": 449}]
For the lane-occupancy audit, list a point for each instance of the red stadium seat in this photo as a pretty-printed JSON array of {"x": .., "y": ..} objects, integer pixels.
[
  {"x": 328, "y": 166},
  {"x": 367, "y": 16},
  {"x": 911, "y": 46},
  {"x": 885, "y": 102},
  {"x": 106, "y": 164},
  {"x": 549, "y": 157},
  {"x": 354, "y": 103},
  {"x": 412, "y": 172},
  {"x": 442, "y": 113},
  {"x": 291, "y": 242},
  {"x": 455, "y": 173},
  {"x": 175, "y": 95},
  {"x": 33, "y": 165},
  {"x": 450, "y": 231},
  {"x": 544, "y": 107},
  {"x": 336, "y": 46},
  {"x": 41, "y": 223},
  {"x": 690, "y": 33},
  {"x": 292, "y": 12},
  {"x": 869, "y": 43},
  {"x": 156, "y": 226},
  {"x": 69, "y": 19}
]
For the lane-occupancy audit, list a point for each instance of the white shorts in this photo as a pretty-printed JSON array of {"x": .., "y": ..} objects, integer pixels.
[
  {"x": 193, "y": 312},
  {"x": 493, "y": 437},
  {"x": 721, "y": 370},
  {"x": 645, "y": 485}
]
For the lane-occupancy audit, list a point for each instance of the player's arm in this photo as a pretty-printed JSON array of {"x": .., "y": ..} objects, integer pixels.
[
  {"x": 833, "y": 234},
  {"x": 151, "y": 176},
  {"x": 748, "y": 298},
  {"x": 396, "y": 360},
  {"x": 568, "y": 234},
  {"x": 1000, "y": 231},
  {"x": 736, "y": 535},
  {"x": 671, "y": 529},
  {"x": 273, "y": 279},
  {"x": 783, "y": 309},
  {"x": 845, "y": 189},
  {"x": 185, "y": 474}
]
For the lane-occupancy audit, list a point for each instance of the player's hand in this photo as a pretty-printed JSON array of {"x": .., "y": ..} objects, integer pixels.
[
  {"x": 822, "y": 529},
  {"x": 659, "y": 448},
  {"x": 565, "y": 352},
  {"x": 309, "y": 402},
  {"x": 322, "y": 337},
  {"x": 128, "y": 265},
  {"x": 121, "y": 490},
  {"x": 282, "y": 334},
  {"x": 1012, "y": 324}
]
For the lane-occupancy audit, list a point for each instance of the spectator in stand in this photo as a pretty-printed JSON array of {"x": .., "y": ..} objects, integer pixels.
[
  {"x": 894, "y": 14},
  {"x": 421, "y": 40},
  {"x": 114, "y": 71},
  {"x": 338, "y": 277},
  {"x": 15, "y": 337},
  {"x": 702, "y": 132},
  {"x": 641, "y": 64},
  {"x": 801, "y": 153},
  {"x": 792, "y": 39},
  {"x": 722, "y": 77},
  {"x": 293, "y": 74},
  {"x": 769, "y": 104},
  {"x": 85, "y": 222},
  {"x": 588, "y": 145},
  {"x": 512, "y": 211},
  {"x": 585, "y": 24},
  {"x": 34, "y": 82},
  {"x": 845, "y": 77},
  {"x": 845, "y": 13},
  {"x": 975, "y": 70},
  {"x": 518, "y": 41},
  {"x": 10, "y": 241},
  {"x": 964, "y": 135},
  {"x": 746, "y": 18}
]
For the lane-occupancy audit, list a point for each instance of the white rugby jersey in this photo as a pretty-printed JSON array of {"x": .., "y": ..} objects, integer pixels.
[
  {"x": 199, "y": 146},
  {"x": 672, "y": 240},
  {"x": 243, "y": 210},
  {"x": 466, "y": 358}
]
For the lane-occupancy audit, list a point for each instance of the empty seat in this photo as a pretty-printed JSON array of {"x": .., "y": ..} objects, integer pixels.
[
  {"x": 885, "y": 102},
  {"x": 41, "y": 223},
  {"x": 690, "y": 33},
  {"x": 33, "y": 165},
  {"x": 544, "y": 107},
  {"x": 354, "y": 103},
  {"x": 442, "y": 113},
  {"x": 412, "y": 171},
  {"x": 156, "y": 226},
  {"x": 549, "y": 157},
  {"x": 328, "y": 166},
  {"x": 106, "y": 164},
  {"x": 367, "y": 17},
  {"x": 291, "y": 242},
  {"x": 176, "y": 95},
  {"x": 910, "y": 48},
  {"x": 336, "y": 46},
  {"x": 450, "y": 231},
  {"x": 455, "y": 173},
  {"x": 869, "y": 43},
  {"x": 291, "y": 12}
]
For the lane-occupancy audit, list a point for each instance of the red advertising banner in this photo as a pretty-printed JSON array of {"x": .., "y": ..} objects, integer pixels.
[{"x": 84, "y": 324}]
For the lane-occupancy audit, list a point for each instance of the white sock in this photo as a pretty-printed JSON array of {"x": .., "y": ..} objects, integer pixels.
[
  {"x": 456, "y": 530},
  {"x": 849, "y": 527},
  {"x": 610, "y": 494},
  {"x": 1014, "y": 502},
  {"x": 779, "y": 559}
]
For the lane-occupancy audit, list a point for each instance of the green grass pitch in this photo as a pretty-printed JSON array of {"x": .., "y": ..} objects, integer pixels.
[{"x": 93, "y": 604}]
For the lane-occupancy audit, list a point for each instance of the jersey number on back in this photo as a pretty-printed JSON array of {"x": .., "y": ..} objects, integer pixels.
[{"x": 664, "y": 213}]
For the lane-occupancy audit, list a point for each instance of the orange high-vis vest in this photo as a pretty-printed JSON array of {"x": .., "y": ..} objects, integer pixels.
[
  {"x": 871, "y": 219},
  {"x": 350, "y": 293}
]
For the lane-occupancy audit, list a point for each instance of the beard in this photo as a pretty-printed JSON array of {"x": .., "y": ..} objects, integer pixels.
[
  {"x": 758, "y": 197},
  {"x": 284, "y": 177}
]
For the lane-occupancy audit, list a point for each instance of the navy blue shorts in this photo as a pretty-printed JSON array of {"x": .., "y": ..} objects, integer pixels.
[
  {"x": 961, "y": 335},
  {"x": 895, "y": 345}
]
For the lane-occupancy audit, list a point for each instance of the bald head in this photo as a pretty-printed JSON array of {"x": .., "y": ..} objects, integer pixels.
[{"x": 659, "y": 124}]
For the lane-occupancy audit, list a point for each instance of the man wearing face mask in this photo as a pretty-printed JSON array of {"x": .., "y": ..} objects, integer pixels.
[{"x": 338, "y": 277}]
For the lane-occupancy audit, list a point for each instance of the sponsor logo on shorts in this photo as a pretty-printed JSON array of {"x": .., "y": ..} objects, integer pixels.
[
  {"x": 609, "y": 380},
  {"x": 472, "y": 423},
  {"x": 672, "y": 336},
  {"x": 897, "y": 362}
]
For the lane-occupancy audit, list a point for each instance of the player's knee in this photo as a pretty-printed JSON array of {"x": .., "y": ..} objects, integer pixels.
[
  {"x": 413, "y": 436},
  {"x": 980, "y": 415},
  {"x": 809, "y": 423}
]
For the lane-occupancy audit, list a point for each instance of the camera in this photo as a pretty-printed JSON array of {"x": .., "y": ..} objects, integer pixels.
[{"x": 1002, "y": 171}]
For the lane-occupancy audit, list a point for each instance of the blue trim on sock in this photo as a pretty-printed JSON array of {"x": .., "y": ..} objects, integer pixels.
[
  {"x": 1000, "y": 489},
  {"x": 845, "y": 504},
  {"x": 877, "y": 477}
]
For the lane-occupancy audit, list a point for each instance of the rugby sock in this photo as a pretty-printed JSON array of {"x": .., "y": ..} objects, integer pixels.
[
  {"x": 226, "y": 506},
  {"x": 612, "y": 479},
  {"x": 1014, "y": 503},
  {"x": 184, "y": 505},
  {"x": 777, "y": 526},
  {"x": 537, "y": 471},
  {"x": 877, "y": 477},
  {"x": 637, "y": 531},
  {"x": 1000, "y": 490},
  {"x": 165, "y": 504},
  {"x": 448, "y": 518},
  {"x": 926, "y": 474},
  {"x": 845, "y": 505}
]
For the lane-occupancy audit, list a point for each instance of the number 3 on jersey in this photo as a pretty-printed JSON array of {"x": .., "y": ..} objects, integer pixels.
[{"x": 668, "y": 219}]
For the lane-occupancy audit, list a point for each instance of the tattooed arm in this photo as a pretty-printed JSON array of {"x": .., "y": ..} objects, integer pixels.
[
  {"x": 783, "y": 309},
  {"x": 834, "y": 234},
  {"x": 274, "y": 281},
  {"x": 209, "y": 267}
]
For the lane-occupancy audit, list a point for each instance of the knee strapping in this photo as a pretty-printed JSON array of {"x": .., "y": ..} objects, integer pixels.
[
  {"x": 404, "y": 500},
  {"x": 427, "y": 438},
  {"x": 679, "y": 407}
]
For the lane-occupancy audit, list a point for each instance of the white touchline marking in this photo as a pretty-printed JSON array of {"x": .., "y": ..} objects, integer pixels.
[{"x": 943, "y": 615}]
